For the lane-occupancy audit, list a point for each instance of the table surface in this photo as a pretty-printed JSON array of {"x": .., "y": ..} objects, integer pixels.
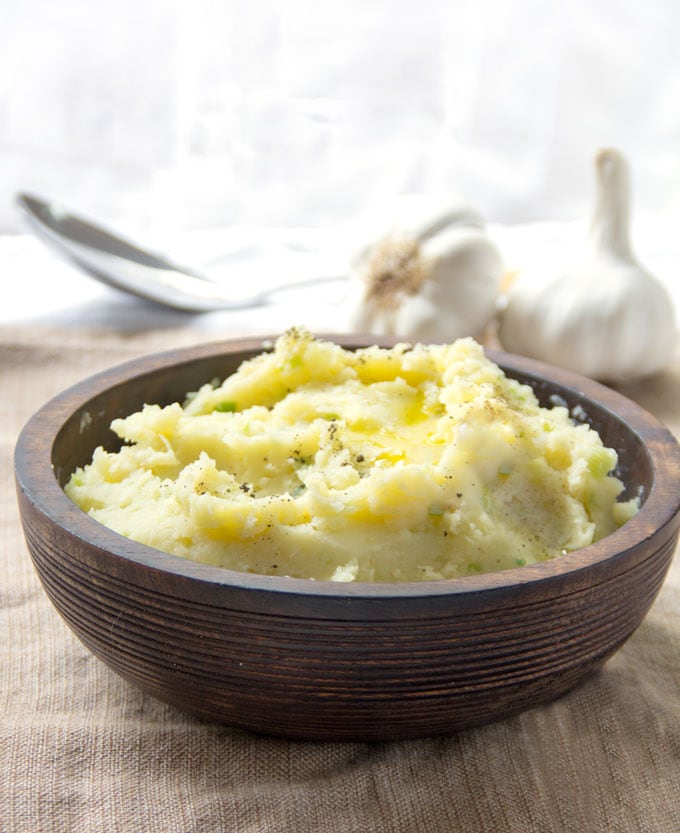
[{"x": 83, "y": 750}]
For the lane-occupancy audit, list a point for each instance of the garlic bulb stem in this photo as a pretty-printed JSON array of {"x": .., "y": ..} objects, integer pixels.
[{"x": 610, "y": 224}]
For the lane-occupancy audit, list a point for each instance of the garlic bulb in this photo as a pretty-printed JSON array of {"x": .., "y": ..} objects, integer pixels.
[
  {"x": 605, "y": 317},
  {"x": 433, "y": 273}
]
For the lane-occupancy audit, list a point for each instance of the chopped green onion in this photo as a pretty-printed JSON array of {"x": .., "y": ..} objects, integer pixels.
[
  {"x": 226, "y": 407},
  {"x": 600, "y": 462}
]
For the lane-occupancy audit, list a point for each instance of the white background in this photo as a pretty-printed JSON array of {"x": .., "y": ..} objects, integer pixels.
[{"x": 161, "y": 118}]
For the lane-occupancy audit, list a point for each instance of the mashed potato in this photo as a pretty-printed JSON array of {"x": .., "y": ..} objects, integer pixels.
[{"x": 419, "y": 462}]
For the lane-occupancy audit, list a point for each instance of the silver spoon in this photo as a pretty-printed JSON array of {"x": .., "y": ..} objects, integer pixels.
[{"x": 124, "y": 265}]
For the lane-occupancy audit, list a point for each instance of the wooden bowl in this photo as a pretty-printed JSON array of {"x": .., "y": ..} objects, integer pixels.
[{"x": 322, "y": 660}]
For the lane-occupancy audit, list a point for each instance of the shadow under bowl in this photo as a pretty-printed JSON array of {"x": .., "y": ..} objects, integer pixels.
[{"x": 319, "y": 660}]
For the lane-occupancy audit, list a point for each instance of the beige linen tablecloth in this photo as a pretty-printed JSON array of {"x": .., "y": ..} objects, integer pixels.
[{"x": 81, "y": 750}]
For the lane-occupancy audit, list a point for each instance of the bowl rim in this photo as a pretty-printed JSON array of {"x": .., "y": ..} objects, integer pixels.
[{"x": 659, "y": 512}]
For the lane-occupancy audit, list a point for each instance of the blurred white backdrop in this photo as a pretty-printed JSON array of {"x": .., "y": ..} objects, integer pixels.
[{"x": 207, "y": 113}]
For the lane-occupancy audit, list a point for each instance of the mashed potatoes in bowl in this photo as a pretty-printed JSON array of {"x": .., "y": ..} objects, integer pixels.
[
  {"x": 410, "y": 463},
  {"x": 443, "y": 467}
]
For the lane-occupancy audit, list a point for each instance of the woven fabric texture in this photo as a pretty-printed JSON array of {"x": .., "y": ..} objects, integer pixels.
[{"x": 82, "y": 750}]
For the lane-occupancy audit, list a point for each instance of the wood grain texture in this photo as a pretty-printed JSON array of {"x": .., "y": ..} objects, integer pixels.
[{"x": 318, "y": 660}]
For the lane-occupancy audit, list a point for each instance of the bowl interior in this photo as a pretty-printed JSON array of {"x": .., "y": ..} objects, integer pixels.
[{"x": 89, "y": 425}]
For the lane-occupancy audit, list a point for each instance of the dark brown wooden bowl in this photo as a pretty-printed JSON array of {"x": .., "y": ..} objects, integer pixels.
[{"x": 322, "y": 660}]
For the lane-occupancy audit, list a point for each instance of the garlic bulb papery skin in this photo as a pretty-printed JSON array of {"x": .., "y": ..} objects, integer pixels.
[
  {"x": 432, "y": 274},
  {"x": 606, "y": 316}
]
